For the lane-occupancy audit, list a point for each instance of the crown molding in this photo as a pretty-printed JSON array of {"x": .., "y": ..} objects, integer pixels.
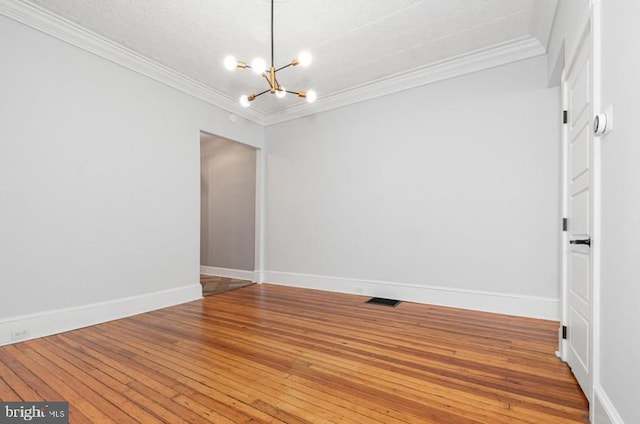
[
  {"x": 478, "y": 60},
  {"x": 49, "y": 23}
]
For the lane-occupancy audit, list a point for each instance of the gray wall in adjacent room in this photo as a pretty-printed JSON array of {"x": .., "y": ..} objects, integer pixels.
[{"x": 228, "y": 187}]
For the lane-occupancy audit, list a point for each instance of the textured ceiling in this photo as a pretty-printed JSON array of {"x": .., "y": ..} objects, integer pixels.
[{"x": 354, "y": 42}]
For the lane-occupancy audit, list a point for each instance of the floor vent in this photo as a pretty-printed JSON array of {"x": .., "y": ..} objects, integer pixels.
[{"x": 383, "y": 301}]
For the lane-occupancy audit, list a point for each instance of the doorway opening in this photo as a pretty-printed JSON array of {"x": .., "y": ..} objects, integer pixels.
[{"x": 228, "y": 172}]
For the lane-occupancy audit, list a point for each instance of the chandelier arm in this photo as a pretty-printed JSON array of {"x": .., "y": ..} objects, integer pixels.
[
  {"x": 292, "y": 92},
  {"x": 283, "y": 67},
  {"x": 260, "y": 94}
]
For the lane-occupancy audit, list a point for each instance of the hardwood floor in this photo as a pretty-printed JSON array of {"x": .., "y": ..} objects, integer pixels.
[
  {"x": 266, "y": 353},
  {"x": 212, "y": 284}
]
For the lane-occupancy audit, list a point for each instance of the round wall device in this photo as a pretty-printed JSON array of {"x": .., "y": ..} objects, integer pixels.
[{"x": 600, "y": 124}]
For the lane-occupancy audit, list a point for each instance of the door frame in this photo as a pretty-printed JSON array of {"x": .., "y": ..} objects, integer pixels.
[
  {"x": 260, "y": 216},
  {"x": 596, "y": 28},
  {"x": 564, "y": 239},
  {"x": 590, "y": 21}
]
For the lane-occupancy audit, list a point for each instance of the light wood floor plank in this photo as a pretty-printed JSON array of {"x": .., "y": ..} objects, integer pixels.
[{"x": 272, "y": 354}]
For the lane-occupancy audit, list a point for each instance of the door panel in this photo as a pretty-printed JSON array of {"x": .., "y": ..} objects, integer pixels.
[
  {"x": 580, "y": 326},
  {"x": 579, "y": 98},
  {"x": 580, "y": 265},
  {"x": 580, "y": 153},
  {"x": 580, "y": 205}
]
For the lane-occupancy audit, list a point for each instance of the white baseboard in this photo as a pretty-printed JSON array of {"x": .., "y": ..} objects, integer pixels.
[
  {"x": 228, "y": 273},
  {"x": 503, "y": 303},
  {"x": 603, "y": 410},
  {"x": 58, "y": 321}
]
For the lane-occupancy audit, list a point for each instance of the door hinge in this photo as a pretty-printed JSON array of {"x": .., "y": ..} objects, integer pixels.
[
  {"x": 565, "y": 116},
  {"x": 565, "y": 224},
  {"x": 564, "y": 332}
]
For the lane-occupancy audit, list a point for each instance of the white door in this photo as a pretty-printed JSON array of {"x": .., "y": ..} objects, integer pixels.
[{"x": 579, "y": 317}]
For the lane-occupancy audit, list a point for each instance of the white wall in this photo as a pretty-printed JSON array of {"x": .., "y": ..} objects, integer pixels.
[
  {"x": 228, "y": 204},
  {"x": 620, "y": 288},
  {"x": 445, "y": 194},
  {"x": 99, "y": 185}
]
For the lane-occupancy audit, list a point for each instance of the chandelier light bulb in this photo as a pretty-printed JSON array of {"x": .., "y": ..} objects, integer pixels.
[
  {"x": 311, "y": 96},
  {"x": 304, "y": 58},
  {"x": 244, "y": 101},
  {"x": 259, "y": 65},
  {"x": 281, "y": 92},
  {"x": 230, "y": 63}
]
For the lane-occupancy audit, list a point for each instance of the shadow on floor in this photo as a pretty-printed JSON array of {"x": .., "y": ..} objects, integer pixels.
[{"x": 214, "y": 285}]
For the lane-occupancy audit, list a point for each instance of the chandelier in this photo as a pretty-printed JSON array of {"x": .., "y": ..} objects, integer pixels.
[{"x": 259, "y": 66}]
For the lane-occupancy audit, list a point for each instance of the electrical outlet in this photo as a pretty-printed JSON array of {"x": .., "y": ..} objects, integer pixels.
[{"x": 19, "y": 335}]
